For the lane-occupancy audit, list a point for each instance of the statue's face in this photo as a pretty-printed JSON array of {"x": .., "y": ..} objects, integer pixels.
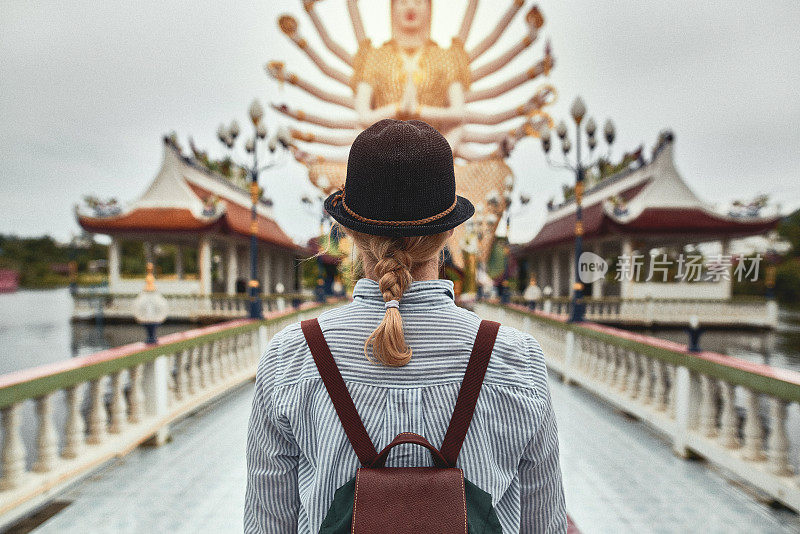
[{"x": 411, "y": 15}]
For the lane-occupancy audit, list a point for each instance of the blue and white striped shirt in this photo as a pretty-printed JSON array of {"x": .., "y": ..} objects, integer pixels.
[{"x": 298, "y": 453}]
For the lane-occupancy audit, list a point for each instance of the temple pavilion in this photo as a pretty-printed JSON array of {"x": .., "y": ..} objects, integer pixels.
[
  {"x": 645, "y": 211},
  {"x": 202, "y": 218}
]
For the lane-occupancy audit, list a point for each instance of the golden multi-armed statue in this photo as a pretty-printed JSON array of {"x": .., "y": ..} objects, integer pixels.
[{"x": 411, "y": 76}]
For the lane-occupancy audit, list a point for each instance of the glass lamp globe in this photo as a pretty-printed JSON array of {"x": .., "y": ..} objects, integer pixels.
[{"x": 149, "y": 307}]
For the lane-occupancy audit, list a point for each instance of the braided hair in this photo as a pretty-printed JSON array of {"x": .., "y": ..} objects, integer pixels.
[{"x": 393, "y": 259}]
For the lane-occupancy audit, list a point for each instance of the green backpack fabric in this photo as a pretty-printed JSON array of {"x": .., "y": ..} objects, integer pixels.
[{"x": 481, "y": 517}]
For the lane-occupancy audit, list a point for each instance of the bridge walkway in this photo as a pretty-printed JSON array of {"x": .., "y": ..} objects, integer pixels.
[{"x": 618, "y": 475}]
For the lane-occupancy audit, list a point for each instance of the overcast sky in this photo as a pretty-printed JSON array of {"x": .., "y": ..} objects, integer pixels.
[{"x": 87, "y": 89}]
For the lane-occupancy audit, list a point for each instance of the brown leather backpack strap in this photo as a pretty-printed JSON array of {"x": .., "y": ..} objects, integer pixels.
[
  {"x": 337, "y": 390},
  {"x": 470, "y": 388}
]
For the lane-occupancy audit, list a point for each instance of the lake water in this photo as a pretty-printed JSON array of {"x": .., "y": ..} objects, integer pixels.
[{"x": 35, "y": 328}]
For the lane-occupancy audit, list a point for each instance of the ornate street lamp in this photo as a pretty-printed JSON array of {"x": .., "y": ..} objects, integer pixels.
[
  {"x": 149, "y": 307},
  {"x": 578, "y": 112},
  {"x": 227, "y": 137}
]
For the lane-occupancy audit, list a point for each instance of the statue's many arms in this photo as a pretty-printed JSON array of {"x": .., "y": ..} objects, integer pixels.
[{"x": 411, "y": 76}]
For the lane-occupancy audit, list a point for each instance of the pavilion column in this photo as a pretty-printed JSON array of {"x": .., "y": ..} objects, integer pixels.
[
  {"x": 627, "y": 253},
  {"x": 204, "y": 259},
  {"x": 267, "y": 271},
  {"x": 597, "y": 286},
  {"x": 231, "y": 269},
  {"x": 179, "y": 262},
  {"x": 113, "y": 265},
  {"x": 556, "y": 278}
]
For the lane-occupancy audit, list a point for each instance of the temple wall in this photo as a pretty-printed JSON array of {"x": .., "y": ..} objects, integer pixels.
[{"x": 165, "y": 287}]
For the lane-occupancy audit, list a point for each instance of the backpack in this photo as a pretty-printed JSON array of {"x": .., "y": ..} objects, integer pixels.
[{"x": 406, "y": 500}]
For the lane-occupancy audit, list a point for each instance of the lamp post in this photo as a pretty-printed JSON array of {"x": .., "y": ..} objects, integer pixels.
[
  {"x": 281, "y": 138},
  {"x": 578, "y": 112},
  {"x": 149, "y": 307}
]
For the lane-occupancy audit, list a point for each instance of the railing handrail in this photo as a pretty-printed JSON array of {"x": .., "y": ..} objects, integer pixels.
[
  {"x": 39, "y": 380},
  {"x": 782, "y": 383},
  {"x": 225, "y": 296},
  {"x": 739, "y": 299}
]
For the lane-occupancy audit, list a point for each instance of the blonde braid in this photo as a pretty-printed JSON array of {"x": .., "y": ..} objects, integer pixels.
[
  {"x": 393, "y": 271},
  {"x": 394, "y": 258}
]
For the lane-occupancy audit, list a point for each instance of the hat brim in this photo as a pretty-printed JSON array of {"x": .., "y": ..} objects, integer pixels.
[{"x": 463, "y": 211}]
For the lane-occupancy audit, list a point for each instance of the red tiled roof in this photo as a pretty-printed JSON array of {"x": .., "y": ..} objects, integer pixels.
[
  {"x": 693, "y": 221},
  {"x": 148, "y": 220},
  {"x": 237, "y": 220},
  {"x": 563, "y": 229}
]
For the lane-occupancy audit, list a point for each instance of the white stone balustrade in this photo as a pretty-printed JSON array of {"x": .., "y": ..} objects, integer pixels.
[
  {"x": 181, "y": 307},
  {"x": 733, "y": 413},
  {"x": 752, "y": 312},
  {"x": 117, "y": 399}
]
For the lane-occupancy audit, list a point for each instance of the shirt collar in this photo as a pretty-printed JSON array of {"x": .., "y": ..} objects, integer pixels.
[{"x": 420, "y": 291}]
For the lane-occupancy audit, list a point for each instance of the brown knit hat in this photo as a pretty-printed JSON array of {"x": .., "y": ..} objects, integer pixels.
[{"x": 400, "y": 182}]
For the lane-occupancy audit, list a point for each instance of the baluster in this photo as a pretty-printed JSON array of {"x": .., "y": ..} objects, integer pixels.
[
  {"x": 632, "y": 378},
  {"x": 75, "y": 428},
  {"x": 238, "y": 352},
  {"x": 753, "y": 435},
  {"x": 596, "y": 367},
  {"x": 231, "y": 357},
  {"x": 225, "y": 356},
  {"x": 659, "y": 386},
  {"x": 728, "y": 435},
  {"x": 671, "y": 398},
  {"x": 606, "y": 363},
  {"x": 46, "y": 438},
  {"x": 213, "y": 361},
  {"x": 182, "y": 380},
  {"x": 588, "y": 349},
  {"x": 118, "y": 407},
  {"x": 778, "y": 443},
  {"x": 255, "y": 353},
  {"x": 232, "y": 342},
  {"x": 708, "y": 407},
  {"x": 241, "y": 347},
  {"x": 13, "y": 448},
  {"x": 219, "y": 357},
  {"x": 194, "y": 370},
  {"x": 622, "y": 369},
  {"x": 582, "y": 346},
  {"x": 645, "y": 379},
  {"x": 171, "y": 383},
  {"x": 614, "y": 372},
  {"x": 248, "y": 350},
  {"x": 205, "y": 365},
  {"x": 98, "y": 416},
  {"x": 136, "y": 395}
]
